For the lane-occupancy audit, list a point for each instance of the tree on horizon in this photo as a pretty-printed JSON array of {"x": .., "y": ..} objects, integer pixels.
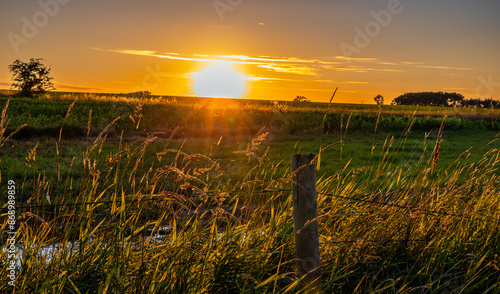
[
  {"x": 31, "y": 77},
  {"x": 379, "y": 99}
]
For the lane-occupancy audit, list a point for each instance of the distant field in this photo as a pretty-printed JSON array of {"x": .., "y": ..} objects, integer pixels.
[{"x": 210, "y": 117}]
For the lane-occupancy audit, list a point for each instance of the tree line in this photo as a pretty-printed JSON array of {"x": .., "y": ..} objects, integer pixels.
[{"x": 443, "y": 99}]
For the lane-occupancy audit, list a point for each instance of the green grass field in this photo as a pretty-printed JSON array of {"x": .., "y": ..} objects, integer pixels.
[{"x": 186, "y": 195}]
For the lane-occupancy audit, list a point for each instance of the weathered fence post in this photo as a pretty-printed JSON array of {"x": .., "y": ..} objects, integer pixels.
[{"x": 305, "y": 202}]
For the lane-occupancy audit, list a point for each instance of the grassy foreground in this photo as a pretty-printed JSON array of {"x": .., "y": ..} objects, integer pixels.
[{"x": 145, "y": 217}]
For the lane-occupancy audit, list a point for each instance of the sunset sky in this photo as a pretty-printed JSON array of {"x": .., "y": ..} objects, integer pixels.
[{"x": 273, "y": 49}]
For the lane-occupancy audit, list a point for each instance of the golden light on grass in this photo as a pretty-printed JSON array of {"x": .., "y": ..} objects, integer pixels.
[{"x": 219, "y": 80}]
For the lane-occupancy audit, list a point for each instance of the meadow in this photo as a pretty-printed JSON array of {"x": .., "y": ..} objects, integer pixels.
[{"x": 191, "y": 195}]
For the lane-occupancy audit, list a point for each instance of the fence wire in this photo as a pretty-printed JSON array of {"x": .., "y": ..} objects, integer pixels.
[
  {"x": 410, "y": 209},
  {"x": 159, "y": 197},
  {"x": 162, "y": 197}
]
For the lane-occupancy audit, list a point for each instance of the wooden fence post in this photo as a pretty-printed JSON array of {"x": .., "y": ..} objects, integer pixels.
[{"x": 305, "y": 213}]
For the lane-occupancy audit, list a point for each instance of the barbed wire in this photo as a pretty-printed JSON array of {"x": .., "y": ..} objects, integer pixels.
[
  {"x": 152, "y": 198},
  {"x": 389, "y": 204},
  {"x": 372, "y": 241},
  {"x": 163, "y": 196},
  {"x": 410, "y": 209}
]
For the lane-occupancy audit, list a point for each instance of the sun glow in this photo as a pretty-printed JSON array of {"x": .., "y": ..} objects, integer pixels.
[{"x": 219, "y": 80}]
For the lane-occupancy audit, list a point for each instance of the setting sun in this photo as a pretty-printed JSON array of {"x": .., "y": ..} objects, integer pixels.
[{"x": 219, "y": 80}]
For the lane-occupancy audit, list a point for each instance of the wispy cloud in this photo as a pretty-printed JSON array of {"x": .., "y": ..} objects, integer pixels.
[
  {"x": 360, "y": 59},
  {"x": 5, "y": 84},
  {"x": 412, "y": 63},
  {"x": 430, "y": 66},
  {"x": 60, "y": 86},
  {"x": 293, "y": 65},
  {"x": 290, "y": 65},
  {"x": 220, "y": 27},
  {"x": 281, "y": 68},
  {"x": 340, "y": 82},
  {"x": 444, "y": 67},
  {"x": 361, "y": 69}
]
